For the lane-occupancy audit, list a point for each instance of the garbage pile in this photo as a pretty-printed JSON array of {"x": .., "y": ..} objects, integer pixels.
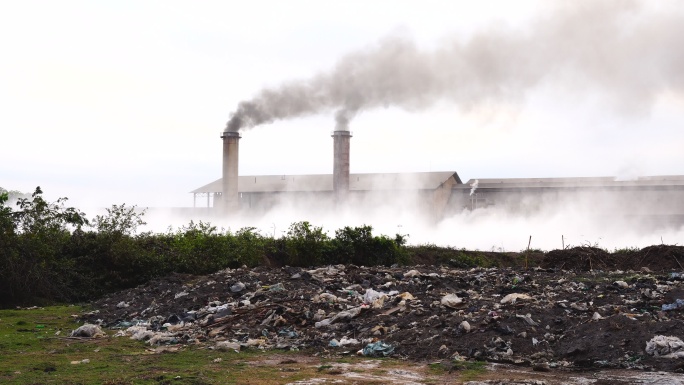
[{"x": 542, "y": 318}]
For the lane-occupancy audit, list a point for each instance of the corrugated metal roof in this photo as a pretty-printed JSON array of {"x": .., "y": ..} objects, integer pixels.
[
  {"x": 324, "y": 182},
  {"x": 663, "y": 180}
]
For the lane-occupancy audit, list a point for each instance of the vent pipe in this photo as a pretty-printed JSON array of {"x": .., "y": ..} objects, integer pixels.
[
  {"x": 229, "y": 183},
  {"x": 341, "y": 141}
]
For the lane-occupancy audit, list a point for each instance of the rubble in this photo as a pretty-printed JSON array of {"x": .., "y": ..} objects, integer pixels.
[{"x": 543, "y": 318}]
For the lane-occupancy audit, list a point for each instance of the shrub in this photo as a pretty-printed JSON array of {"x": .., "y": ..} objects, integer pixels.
[
  {"x": 357, "y": 245},
  {"x": 33, "y": 263},
  {"x": 51, "y": 251},
  {"x": 251, "y": 247},
  {"x": 306, "y": 245}
]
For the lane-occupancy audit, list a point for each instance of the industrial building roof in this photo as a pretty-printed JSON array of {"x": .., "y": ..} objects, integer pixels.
[
  {"x": 324, "y": 182},
  {"x": 580, "y": 182}
]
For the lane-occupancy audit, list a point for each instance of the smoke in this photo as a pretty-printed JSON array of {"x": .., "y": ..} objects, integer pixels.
[
  {"x": 473, "y": 187},
  {"x": 621, "y": 50},
  {"x": 342, "y": 119}
]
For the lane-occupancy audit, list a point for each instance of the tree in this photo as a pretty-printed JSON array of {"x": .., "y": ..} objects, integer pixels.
[{"x": 32, "y": 261}]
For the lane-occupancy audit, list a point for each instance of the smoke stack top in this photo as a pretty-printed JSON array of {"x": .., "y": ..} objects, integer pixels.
[{"x": 622, "y": 51}]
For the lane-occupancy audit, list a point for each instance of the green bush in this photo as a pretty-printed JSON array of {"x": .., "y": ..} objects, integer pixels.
[
  {"x": 306, "y": 245},
  {"x": 357, "y": 245},
  {"x": 32, "y": 263},
  {"x": 53, "y": 252},
  {"x": 251, "y": 247}
]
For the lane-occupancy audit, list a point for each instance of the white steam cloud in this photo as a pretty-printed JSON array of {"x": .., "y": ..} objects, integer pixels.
[{"x": 583, "y": 221}]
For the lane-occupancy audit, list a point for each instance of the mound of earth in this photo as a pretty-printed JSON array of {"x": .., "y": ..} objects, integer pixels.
[
  {"x": 542, "y": 317},
  {"x": 656, "y": 258}
]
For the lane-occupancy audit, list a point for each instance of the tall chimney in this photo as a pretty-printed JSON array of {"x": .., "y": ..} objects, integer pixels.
[
  {"x": 341, "y": 164},
  {"x": 229, "y": 198}
]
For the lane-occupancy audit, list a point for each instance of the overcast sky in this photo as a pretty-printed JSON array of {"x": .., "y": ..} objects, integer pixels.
[{"x": 123, "y": 101}]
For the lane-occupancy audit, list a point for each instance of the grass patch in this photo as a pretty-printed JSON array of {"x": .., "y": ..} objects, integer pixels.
[
  {"x": 470, "y": 370},
  {"x": 35, "y": 349},
  {"x": 466, "y": 370}
]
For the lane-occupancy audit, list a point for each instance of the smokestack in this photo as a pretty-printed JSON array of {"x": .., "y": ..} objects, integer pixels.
[
  {"x": 341, "y": 164},
  {"x": 231, "y": 141}
]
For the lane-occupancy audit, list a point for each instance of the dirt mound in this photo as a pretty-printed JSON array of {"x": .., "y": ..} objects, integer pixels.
[
  {"x": 541, "y": 316},
  {"x": 660, "y": 258},
  {"x": 655, "y": 258},
  {"x": 583, "y": 258}
]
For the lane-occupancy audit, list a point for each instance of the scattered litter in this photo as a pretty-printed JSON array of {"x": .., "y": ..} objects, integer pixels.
[
  {"x": 679, "y": 303},
  {"x": 88, "y": 330},
  {"x": 228, "y": 346},
  {"x": 513, "y": 297},
  {"x": 412, "y": 273},
  {"x": 238, "y": 287},
  {"x": 84, "y": 361},
  {"x": 374, "y": 298},
  {"x": 377, "y": 349},
  {"x": 277, "y": 287},
  {"x": 452, "y": 301},
  {"x": 555, "y": 316},
  {"x": 667, "y": 347},
  {"x": 528, "y": 319},
  {"x": 406, "y": 296}
]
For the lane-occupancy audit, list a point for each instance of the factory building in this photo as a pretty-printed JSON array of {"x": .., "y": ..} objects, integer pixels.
[
  {"x": 424, "y": 190},
  {"x": 437, "y": 193},
  {"x": 648, "y": 196}
]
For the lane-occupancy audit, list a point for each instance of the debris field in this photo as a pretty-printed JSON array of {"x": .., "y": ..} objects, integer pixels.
[{"x": 546, "y": 317}]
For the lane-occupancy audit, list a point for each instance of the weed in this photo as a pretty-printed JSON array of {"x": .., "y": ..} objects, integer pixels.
[
  {"x": 466, "y": 260},
  {"x": 470, "y": 370}
]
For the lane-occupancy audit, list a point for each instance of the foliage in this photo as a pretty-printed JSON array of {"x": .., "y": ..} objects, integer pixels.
[
  {"x": 51, "y": 251},
  {"x": 251, "y": 247},
  {"x": 120, "y": 219},
  {"x": 306, "y": 245},
  {"x": 626, "y": 250},
  {"x": 13, "y": 195},
  {"x": 465, "y": 259},
  {"x": 32, "y": 263},
  {"x": 357, "y": 245}
]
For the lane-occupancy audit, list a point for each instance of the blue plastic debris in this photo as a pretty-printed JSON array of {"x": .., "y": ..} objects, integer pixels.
[
  {"x": 672, "y": 306},
  {"x": 378, "y": 349},
  {"x": 288, "y": 333}
]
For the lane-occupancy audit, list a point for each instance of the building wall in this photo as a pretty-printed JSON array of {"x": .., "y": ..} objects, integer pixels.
[
  {"x": 633, "y": 201},
  {"x": 425, "y": 201}
]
